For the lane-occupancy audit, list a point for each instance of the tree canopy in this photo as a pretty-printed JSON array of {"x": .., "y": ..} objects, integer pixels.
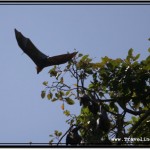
[{"x": 114, "y": 96}]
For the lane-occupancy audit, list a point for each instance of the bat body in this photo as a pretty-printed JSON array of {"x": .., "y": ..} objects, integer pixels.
[
  {"x": 103, "y": 122},
  {"x": 73, "y": 138},
  {"x": 40, "y": 59}
]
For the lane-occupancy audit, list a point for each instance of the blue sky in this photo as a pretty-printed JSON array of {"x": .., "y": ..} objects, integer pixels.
[{"x": 97, "y": 30}]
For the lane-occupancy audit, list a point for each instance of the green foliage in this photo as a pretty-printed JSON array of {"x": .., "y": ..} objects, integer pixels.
[
  {"x": 69, "y": 101},
  {"x": 118, "y": 86},
  {"x": 53, "y": 72},
  {"x": 43, "y": 94},
  {"x": 55, "y": 136},
  {"x": 49, "y": 95},
  {"x": 67, "y": 113}
]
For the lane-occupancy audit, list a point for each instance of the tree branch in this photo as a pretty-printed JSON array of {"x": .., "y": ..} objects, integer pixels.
[
  {"x": 131, "y": 111},
  {"x": 64, "y": 134},
  {"x": 139, "y": 122}
]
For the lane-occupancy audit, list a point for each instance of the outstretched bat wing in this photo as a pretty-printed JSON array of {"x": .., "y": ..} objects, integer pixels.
[
  {"x": 59, "y": 59},
  {"x": 29, "y": 48}
]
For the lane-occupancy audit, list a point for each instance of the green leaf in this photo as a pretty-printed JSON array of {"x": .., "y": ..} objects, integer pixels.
[
  {"x": 89, "y": 71},
  {"x": 56, "y": 94},
  {"x": 134, "y": 119},
  {"x": 69, "y": 101},
  {"x": 51, "y": 141},
  {"x": 80, "y": 55},
  {"x": 45, "y": 83},
  {"x": 84, "y": 57},
  {"x": 116, "y": 108},
  {"x": 130, "y": 52},
  {"x": 57, "y": 133},
  {"x": 61, "y": 93},
  {"x": 113, "y": 106},
  {"x": 61, "y": 80},
  {"x": 67, "y": 112},
  {"x": 85, "y": 110},
  {"x": 91, "y": 86},
  {"x": 43, "y": 94},
  {"x": 136, "y": 57},
  {"x": 67, "y": 93},
  {"x": 149, "y": 49},
  {"x": 130, "y": 55},
  {"x": 53, "y": 72},
  {"x": 54, "y": 99},
  {"x": 53, "y": 90},
  {"x": 58, "y": 74},
  {"x": 97, "y": 65},
  {"x": 105, "y": 59},
  {"x": 49, "y": 96},
  {"x": 60, "y": 133}
]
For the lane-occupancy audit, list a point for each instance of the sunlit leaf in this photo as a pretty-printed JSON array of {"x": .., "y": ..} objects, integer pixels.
[
  {"x": 136, "y": 57},
  {"x": 49, "y": 96},
  {"x": 53, "y": 72},
  {"x": 130, "y": 52},
  {"x": 105, "y": 59},
  {"x": 84, "y": 57},
  {"x": 67, "y": 93},
  {"x": 91, "y": 86},
  {"x": 69, "y": 101},
  {"x": 135, "y": 119},
  {"x": 67, "y": 112},
  {"x": 45, "y": 83}
]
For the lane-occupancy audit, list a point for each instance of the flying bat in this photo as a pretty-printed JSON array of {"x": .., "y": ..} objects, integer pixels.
[{"x": 40, "y": 59}]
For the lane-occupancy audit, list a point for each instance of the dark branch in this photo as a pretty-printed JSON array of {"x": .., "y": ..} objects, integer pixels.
[
  {"x": 139, "y": 122},
  {"x": 64, "y": 135}
]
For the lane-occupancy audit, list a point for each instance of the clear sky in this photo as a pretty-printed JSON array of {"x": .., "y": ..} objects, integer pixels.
[{"x": 97, "y": 30}]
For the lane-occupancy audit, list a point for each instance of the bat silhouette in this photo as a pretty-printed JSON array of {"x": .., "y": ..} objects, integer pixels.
[
  {"x": 40, "y": 59},
  {"x": 73, "y": 138}
]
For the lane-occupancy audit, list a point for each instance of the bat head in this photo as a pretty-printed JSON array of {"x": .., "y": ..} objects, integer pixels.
[{"x": 38, "y": 69}]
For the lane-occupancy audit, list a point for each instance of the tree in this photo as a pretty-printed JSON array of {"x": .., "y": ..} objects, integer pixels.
[{"x": 114, "y": 96}]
